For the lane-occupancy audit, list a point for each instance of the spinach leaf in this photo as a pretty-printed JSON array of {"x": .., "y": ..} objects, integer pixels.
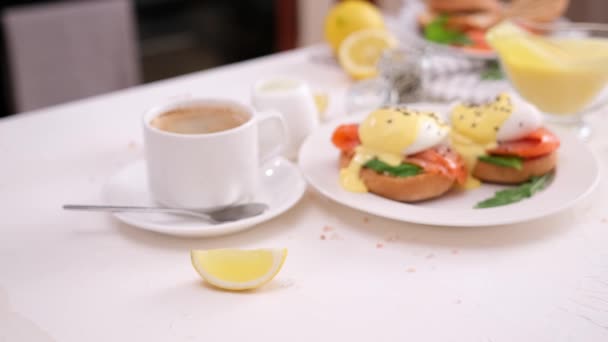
[
  {"x": 437, "y": 31},
  {"x": 504, "y": 161},
  {"x": 403, "y": 170}
]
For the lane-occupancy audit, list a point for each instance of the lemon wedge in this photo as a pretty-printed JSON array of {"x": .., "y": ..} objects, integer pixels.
[
  {"x": 360, "y": 52},
  {"x": 238, "y": 269}
]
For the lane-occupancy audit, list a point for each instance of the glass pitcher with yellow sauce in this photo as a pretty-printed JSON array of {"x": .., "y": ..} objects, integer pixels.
[{"x": 562, "y": 68}]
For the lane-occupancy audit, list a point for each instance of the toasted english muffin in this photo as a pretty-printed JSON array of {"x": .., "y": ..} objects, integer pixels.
[
  {"x": 403, "y": 189},
  {"x": 491, "y": 173}
]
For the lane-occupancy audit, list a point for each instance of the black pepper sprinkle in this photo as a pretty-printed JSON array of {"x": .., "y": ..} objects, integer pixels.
[
  {"x": 389, "y": 121},
  {"x": 496, "y": 128},
  {"x": 461, "y": 117},
  {"x": 473, "y": 125},
  {"x": 521, "y": 124}
]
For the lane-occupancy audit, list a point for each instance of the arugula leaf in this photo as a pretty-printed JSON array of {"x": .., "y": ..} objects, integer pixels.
[
  {"x": 512, "y": 195},
  {"x": 492, "y": 71},
  {"x": 403, "y": 170},
  {"x": 437, "y": 31},
  {"x": 504, "y": 161}
]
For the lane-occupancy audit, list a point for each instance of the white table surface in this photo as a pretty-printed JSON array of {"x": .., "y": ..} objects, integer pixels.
[{"x": 72, "y": 276}]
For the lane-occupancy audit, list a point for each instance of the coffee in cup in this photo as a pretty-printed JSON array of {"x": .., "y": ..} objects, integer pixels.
[
  {"x": 199, "y": 119},
  {"x": 206, "y": 153}
]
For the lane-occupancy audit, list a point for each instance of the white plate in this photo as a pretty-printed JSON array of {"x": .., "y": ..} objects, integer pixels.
[
  {"x": 577, "y": 174},
  {"x": 281, "y": 187},
  {"x": 408, "y": 30}
]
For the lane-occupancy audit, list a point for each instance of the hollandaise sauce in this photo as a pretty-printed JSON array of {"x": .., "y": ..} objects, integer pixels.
[
  {"x": 474, "y": 130},
  {"x": 559, "y": 74},
  {"x": 563, "y": 79},
  {"x": 385, "y": 135},
  {"x": 349, "y": 176}
]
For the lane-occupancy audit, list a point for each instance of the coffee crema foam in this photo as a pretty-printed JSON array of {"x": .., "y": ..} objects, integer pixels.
[{"x": 200, "y": 119}]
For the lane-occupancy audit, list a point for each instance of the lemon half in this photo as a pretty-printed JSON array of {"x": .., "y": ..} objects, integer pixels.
[
  {"x": 238, "y": 269},
  {"x": 347, "y": 17},
  {"x": 360, "y": 52}
]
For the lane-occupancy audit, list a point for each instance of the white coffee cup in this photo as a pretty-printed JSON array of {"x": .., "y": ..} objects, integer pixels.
[
  {"x": 294, "y": 100},
  {"x": 210, "y": 170}
]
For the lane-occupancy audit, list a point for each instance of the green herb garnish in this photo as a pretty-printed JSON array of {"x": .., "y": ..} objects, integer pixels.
[
  {"x": 492, "y": 71},
  {"x": 403, "y": 170},
  {"x": 513, "y": 162},
  {"x": 437, "y": 31},
  {"x": 518, "y": 193}
]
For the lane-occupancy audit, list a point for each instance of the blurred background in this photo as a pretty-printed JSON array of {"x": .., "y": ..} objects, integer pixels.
[{"x": 58, "y": 51}]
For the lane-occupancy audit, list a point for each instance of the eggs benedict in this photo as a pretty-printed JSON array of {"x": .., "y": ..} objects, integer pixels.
[
  {"x": 502, "y": 141},
  {"x": 399, "y": 154}
]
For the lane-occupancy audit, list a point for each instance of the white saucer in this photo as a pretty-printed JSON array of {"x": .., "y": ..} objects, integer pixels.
[
  {"x": 577, "y": 175},
  {"x": 281, "y": 187}
]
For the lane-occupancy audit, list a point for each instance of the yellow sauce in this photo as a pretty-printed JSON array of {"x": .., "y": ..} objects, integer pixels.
[
  {"x": 559, "y": 76},
  {"x": 384, "y": 135},
  {"x": 474, "y": 130},
  {"x": 349, "y": 176}
]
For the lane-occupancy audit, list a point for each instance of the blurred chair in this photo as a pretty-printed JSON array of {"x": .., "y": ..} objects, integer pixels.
[
  {"x": 588, "y": 10},
  {"x": 66, "y": 51}
]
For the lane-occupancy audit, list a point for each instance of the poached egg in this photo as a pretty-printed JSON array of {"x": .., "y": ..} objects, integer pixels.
[
  {"x": 389, "y": 135},
  {"x": 477, "y": 128}
]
